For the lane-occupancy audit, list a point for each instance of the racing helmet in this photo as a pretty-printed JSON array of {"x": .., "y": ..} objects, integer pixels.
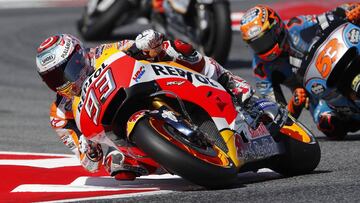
[
  {"x": 264, "y": 31},
  {"x": 62, "y": 64}
]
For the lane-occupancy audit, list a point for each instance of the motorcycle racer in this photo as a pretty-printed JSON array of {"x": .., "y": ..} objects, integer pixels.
[
  {"x": 63, "y": 56},
  {"x": 279, "y": 49}
]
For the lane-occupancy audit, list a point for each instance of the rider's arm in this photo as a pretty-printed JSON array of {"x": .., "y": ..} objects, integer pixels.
[
  {"x": 351, "y": 11},
  {"x": 345, "y": 12},
  {"x": 155, "y": 45},
  {"x": 62, "y": 121},
  {"x": 263, "y": 80},
  {"x": 184, "y": 54}
]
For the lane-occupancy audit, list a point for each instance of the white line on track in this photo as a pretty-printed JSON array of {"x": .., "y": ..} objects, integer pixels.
[
  {"x": 43, "y": 163},
  {"x": 121, "y": 196},
  {"x": 34, "y": 153},
  {"x": 14, "y": 4}
]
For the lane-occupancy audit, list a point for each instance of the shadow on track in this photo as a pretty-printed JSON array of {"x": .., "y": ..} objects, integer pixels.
[
  {"x": 349, "y": 137},
  {"x": 251, "y": 177}
]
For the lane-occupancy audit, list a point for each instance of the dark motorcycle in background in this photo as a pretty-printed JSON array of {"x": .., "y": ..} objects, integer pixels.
[{"x": 206, "y": 24}]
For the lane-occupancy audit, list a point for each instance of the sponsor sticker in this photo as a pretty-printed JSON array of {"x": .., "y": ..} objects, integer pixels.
[
  {"x": 175, "y": 83},
  {"x": 255, "y": 149},
  {"x": 170, "y": 115},
  {"x": 250, "y": 16},
  {"x": 66, "y": 49},
  {"x": 262, "y": 85},
  {"x": 264, "y": 103},
  {"x": 354, "y": 36},
  {"x": 58, "y": 123},
  {"x": 254, "y": 31},
  {"x": 133, "y": 119},
  {"x": 356, "y": 83},
  {"x": 317, "y": 88},
  {"x": 260, "y": 131},
  {"x": 99, "y": 51},
  {"x": 190, "y": 76},
  {"x": 139, "y": 74},
  {"x": 68, "y": 141},
  {"x": 47, "y": 58}
]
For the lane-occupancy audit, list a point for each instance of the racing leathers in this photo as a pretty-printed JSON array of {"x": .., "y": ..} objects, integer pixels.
[
  {"x": 151, "y": 46},
  {"x": 302, "y": 33}
]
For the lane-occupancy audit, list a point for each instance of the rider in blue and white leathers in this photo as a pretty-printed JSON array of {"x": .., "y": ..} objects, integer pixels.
[{"x": 279, "y": 50}]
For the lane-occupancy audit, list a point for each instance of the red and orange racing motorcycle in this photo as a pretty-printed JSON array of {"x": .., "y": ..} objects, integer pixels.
[{"x": 179, "y": 120}]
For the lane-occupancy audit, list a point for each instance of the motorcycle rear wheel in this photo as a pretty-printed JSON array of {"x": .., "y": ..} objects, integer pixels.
[
  {"x": 101, "y": 26},
  {"x": 300, "y": 157},
  {"x": 150, "y": 136}
]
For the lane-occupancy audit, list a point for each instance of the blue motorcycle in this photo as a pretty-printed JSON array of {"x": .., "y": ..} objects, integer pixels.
[{"x": 331, "y": 74}]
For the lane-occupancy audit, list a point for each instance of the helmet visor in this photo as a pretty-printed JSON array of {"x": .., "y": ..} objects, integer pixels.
[
  {"x": 76, "y": 71},
  {"x": 268, "y": 40},
  {"x": 74, "y": 66},
  {"x": 54, "y": 77}
]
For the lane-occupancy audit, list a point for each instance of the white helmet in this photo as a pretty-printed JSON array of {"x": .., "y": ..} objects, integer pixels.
[{"x": 62, "y": 64}]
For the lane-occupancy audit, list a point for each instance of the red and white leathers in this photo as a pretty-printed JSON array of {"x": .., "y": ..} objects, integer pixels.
[
  {"x": 149, "y": 45},
  {"x": 154, "y": 46}
]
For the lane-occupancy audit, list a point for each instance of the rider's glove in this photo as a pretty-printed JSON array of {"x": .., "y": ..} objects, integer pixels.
[
  {"x": 353, "y": 13},
  {"x": 183, "y": 53},
  {"x": 237, "y": 87},
  {"x": 150, "y": 42},
  {"x": 298, "y": 101},
  {"x": 91, "y": 154}
]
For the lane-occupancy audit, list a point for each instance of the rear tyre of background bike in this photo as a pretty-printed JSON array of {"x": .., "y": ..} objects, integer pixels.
[
  {"x": 180, "y": 162},
  {"x": 103, "y": 24},
  {"x": 299, "y": 158},
  {"x": 218, "y": 46}
]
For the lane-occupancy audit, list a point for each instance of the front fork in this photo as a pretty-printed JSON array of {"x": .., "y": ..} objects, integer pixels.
[{"x": 161, "y": 110}]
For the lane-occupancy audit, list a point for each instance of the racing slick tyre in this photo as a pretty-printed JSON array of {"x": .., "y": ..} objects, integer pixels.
[
  {"x": 217, "y": 41},
  {"x": 99, "y": 25},
  {"x": 180, "y": 157},
  {"x": 300, "y": 157}
]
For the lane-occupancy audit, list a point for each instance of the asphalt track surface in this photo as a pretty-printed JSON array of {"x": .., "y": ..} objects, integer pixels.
[{"x": 24, "y": 122}]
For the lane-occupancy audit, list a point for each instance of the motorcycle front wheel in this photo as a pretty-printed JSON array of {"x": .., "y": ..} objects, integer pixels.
[{"x": 209, "y": 167}]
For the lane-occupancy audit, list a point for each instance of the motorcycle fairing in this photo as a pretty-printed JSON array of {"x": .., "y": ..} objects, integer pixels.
[
  {"x": 251, "y": 142},
  {"x": 352, "y": 36},
  {"x": 327, "y": 56},
  {"x": 119, "y": 72}
]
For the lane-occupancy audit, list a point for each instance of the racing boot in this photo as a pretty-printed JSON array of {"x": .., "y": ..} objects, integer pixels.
[
  {"x": 298, "y": 101},
  {"x": 122, "y": 167}
]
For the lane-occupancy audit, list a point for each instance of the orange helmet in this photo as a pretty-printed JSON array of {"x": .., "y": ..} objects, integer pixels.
[{"x": 264, "y": 31}]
